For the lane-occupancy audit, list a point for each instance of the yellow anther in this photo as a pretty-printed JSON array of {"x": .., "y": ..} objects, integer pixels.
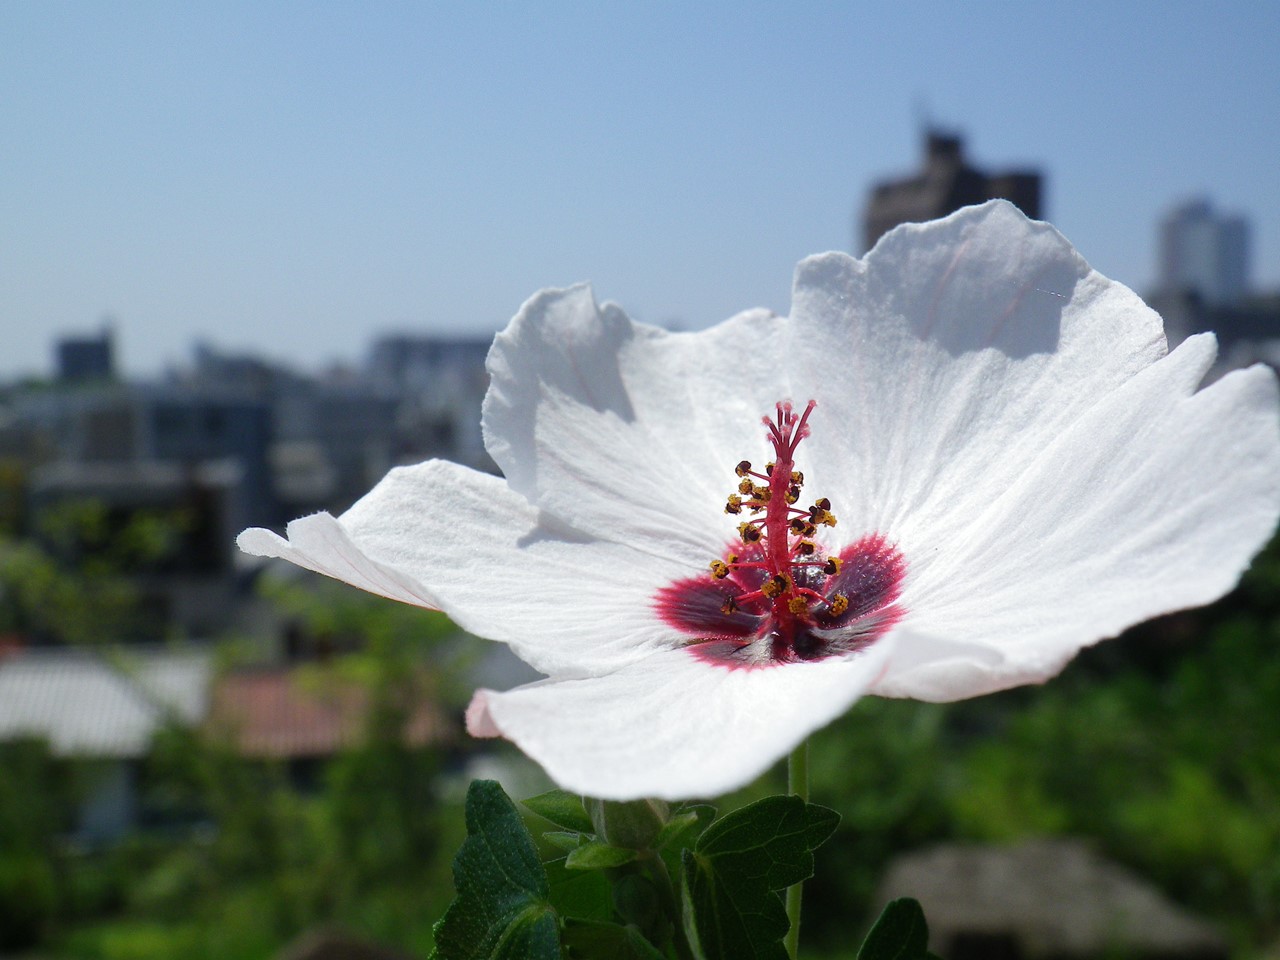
[
  {"x": 768, "y": 468},
  {"x": 803, "y": 527},
  {"x": 793, "y": 494},
  {"x": 838, "y": 605},
  {"x": 821, "y": 515},
  {"x": 776, "y": 585},
  {"x": 745, "y": 487},
  {"x": 749, "y": 533},
  {"x": 820, "y": 512},
  {"x": 719, "y": 569},
  {"x": 797, "y": 478},
  {"x": 833, "y": 566},
  {"x": 798, "y": 605},
  {"x": 734, "y": 504},
  {"x": 743, "y": 468},
  {"x": 729, "y": 606},
  {"x": 763, "y": 494},
  {"x": 731, "y": 559},
  {"x": 806, "y": 548}
]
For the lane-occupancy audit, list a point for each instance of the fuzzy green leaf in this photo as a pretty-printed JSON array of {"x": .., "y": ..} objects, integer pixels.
[
  {"x": 734, "y": 872},
  {"x": 899, "y": 934},
  {"x": 562, "y": 808},
  {"x": 565, "y": 840},
  {"x": 685, "y": 826},
  {"x": 502, "y": 910},
  {"x": 598, "y": 855},
  {"x": 585, "y": 894}
]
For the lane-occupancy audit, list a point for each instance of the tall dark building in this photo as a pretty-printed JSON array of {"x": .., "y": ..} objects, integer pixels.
[
  {"x": 81, "y": 358},
  {"x": 944, "y": 185}
]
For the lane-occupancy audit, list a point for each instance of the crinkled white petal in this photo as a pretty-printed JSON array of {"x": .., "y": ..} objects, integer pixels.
[
  {"x": 628, "y": 431},
  {"x": 1155, "y": 500},
  {"x": 671, "y": 725},
  {"x": 1009, "y": 419},
  {"x": 943, "y": 360},
  {"x": 440, "y": 535}
]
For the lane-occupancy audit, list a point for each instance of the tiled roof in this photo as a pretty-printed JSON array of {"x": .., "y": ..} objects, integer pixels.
[
  {"x": 302, "y": 712},
  {"x": 100, "y": 703}
]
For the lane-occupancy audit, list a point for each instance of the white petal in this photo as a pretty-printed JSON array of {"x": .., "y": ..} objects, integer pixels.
[
  {"x": 318, "y": 542},
  {"x": 944, "y": 359},
  {"x": 440, "y": 535},
  {"x": 1153, "y": 501},
  {"x": 672, "y": 726},
  {"x": 627, "y": 431}
]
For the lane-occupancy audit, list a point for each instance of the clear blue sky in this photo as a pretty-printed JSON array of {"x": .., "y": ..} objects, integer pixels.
[{"x": 292, "y": 178}]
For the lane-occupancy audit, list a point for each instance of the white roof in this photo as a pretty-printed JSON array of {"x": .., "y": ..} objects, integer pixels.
[{"x": 100, "y": 703}]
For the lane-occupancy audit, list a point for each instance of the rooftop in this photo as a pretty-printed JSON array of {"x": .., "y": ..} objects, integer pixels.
[{"x": 100, "y": 703}]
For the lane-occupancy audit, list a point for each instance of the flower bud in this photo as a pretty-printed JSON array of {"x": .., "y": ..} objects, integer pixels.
[{"x": 633, "y": 824}]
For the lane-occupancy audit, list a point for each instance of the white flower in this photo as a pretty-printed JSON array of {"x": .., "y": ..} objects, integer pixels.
[{"x": 1017, "y": 467}]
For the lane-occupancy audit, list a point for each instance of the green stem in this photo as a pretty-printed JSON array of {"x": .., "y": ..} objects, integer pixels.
[
  {"x": 797, "y": 784},
  {"x": 667, "y": 893}
]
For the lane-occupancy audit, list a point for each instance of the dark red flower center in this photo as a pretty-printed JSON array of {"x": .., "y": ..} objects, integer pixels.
[{"x": 777, "y": 594}]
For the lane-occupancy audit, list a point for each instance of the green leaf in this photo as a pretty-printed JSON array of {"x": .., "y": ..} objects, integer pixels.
[
  {"x": 565, "y": 840},
  {"x": 900, "y": 934},
  {"x": 598, "y": 855},
  {"x": 502, "y": 910},
  {"x": 682, "y": 832},
  {"x": 732, "y": 875},
  {"x": 684, "y": 828},
  {"x": 562, "y": 808},
  {"x": 592, "y": 938},
  {"x": 822, "y": 822},
  {"x": 637, "y": 902},
  {"x": 586, "y": 894}
]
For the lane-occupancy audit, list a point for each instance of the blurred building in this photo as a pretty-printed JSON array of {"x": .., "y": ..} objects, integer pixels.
[
  {"x": 231, "y": 441},
  {"x": 1203, "y": 285},
  {"x": 304, "y": 716},
  {"x": 442, "y": 382},
  {"x": 144, "y": 424},
  {"x": 106, "y": 706},
  {"x": 86, "y": 358},
  {"x": 945, "y": 183},
  {"x": 1205, "y": 253},
  {"x": 1047, "y": 899}
]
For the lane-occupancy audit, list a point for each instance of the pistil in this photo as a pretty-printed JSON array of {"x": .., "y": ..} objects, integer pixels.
[{"x": 780, "y": 543}]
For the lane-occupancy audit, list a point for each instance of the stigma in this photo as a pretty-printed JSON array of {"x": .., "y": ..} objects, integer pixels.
[{"x": 782, "y": 591}]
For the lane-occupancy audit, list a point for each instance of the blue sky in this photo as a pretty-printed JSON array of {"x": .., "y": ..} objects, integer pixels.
[{"x": 293, "y": 178}]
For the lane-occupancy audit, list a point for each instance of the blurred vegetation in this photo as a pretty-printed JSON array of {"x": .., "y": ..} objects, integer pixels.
[
  {"x": 72, "y": 579},
  {"x": 1160, "y": 747},
  {"x": 243, "y": 855},
  {"x": 36, "y": 795}
]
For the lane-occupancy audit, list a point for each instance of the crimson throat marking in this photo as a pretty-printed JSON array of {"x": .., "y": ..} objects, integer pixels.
[{"x": 778, "y": 594}]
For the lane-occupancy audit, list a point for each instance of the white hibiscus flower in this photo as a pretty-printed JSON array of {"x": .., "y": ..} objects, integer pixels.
[{"x": 1018, "y": 467}]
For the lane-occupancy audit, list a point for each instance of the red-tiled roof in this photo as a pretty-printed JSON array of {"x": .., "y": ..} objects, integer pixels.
[{"x": 285, "y": 713}]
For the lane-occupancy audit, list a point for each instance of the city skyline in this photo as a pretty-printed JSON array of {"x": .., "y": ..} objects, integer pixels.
[{"x": 298, "y": 179}]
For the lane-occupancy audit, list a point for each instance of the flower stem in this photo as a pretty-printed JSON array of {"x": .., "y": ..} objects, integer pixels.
[
  {"x": 666, "y": 892},
  {"x": 798, "y": 785}
]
